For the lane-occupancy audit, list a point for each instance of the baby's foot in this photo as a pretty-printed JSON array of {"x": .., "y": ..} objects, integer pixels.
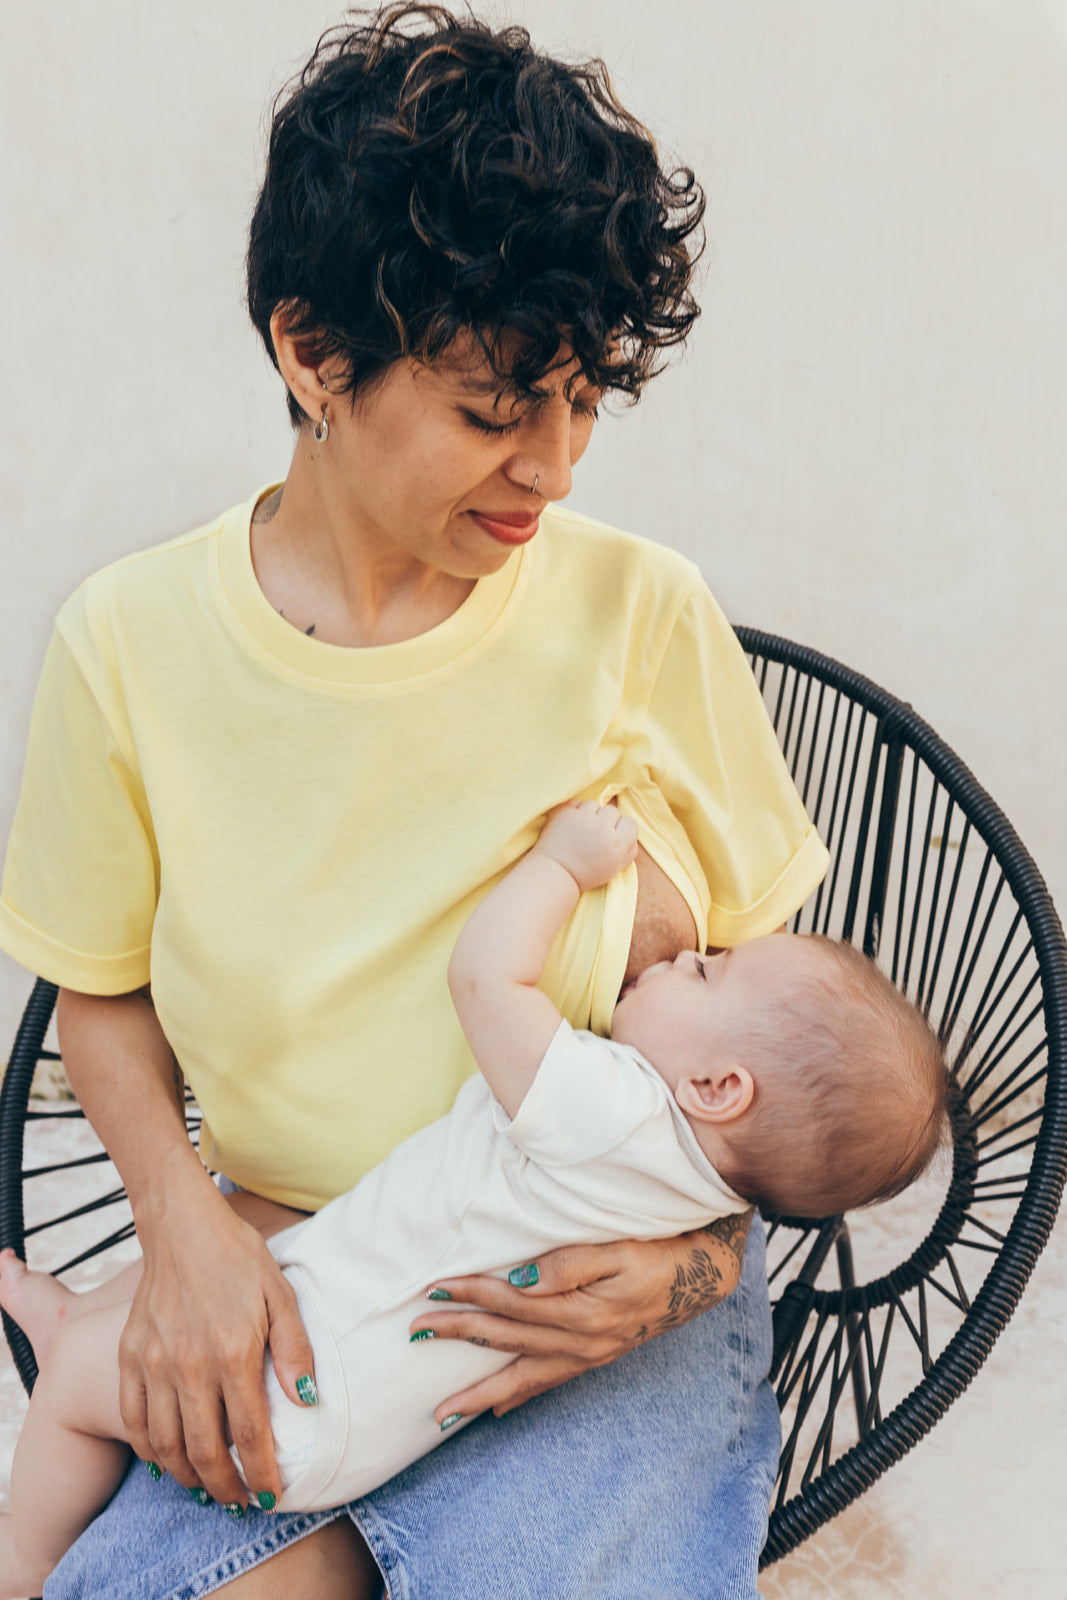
[{"x": 35, "y": 1300}]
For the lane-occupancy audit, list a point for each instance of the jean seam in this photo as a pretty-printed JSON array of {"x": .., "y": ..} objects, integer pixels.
[
  {"x": 271, "y": 1543},
  {"x": 386, "y": 1557}
]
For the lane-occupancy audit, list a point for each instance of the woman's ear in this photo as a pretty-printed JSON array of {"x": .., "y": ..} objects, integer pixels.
[
  {"x": 304, "y": 382},
  {"x": 719, "y": 1096}
]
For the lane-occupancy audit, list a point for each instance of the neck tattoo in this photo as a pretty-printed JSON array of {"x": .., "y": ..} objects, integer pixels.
[{"x": 308, "y": 631}]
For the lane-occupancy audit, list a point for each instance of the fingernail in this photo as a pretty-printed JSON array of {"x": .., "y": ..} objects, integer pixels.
[
  {"x": 267, "y": 1501},
  {"x": 524, "y": 1277},
  {"x": 235, "y": 1510},
  {"x": 154, "y": 1472},
  {"x": 305, "y": 1388},
  {"x": 423, "y": 1333},
  {"x": 201, "y": 1497},
  {"x": 438, "y": 1294},
  {"x": 450, "y": 1422}
]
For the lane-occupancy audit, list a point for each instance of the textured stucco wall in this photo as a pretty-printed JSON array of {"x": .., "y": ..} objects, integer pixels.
[{"x": 862, "y": 448}]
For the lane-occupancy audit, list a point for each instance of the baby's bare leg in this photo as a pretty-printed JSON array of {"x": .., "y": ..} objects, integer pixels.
[
  {"x": 71, "y": 1455},
  {"x": 41, "y": 1305}
]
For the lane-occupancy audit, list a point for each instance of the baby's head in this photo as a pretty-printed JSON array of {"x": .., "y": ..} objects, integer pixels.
[{"x": 811, "y": 1083}]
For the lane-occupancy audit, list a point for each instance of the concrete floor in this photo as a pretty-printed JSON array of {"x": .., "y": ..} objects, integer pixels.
[{"x": 978, "y": 1511}]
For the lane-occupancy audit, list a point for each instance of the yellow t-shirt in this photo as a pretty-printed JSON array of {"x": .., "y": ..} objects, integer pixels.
[{"x": 286, "y": 836}]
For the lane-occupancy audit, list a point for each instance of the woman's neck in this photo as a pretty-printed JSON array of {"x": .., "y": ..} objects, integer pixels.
[{"x": 333, "y": 578}]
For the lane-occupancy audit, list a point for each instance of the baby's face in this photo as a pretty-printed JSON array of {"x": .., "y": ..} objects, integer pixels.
[{"x": 679, "y": 1013}]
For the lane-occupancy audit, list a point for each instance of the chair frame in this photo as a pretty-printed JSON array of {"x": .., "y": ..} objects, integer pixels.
[{"x": 801, "y": 688}]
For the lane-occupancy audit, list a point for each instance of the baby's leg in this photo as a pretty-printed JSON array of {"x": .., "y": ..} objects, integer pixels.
[
  {"x": 41, "y": 1305},
  {"x": 71, "y": 1455}
]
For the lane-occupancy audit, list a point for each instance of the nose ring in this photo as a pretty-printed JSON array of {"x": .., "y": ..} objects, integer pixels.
[{"x": 533, "y": 486}]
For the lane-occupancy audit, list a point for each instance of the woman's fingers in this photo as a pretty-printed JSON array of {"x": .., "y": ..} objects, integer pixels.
[
  {"x": 248, "y": 1414},
  {"x": 133, "y": 1403},
  {"x": 512, "y": 1386},
  {"x": 590, "y": 1343},
  {"x": 192, "y": 1363},
  {"x": 290, "y": 1347},
  {"x": 550, "y": 1289}
]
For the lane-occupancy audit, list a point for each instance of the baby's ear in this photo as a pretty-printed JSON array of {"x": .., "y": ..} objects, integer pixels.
[{"x": 719, "y": 1096}]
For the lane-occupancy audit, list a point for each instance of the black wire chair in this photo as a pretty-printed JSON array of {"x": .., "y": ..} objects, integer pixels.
[{"x": 873, "y": 1338}]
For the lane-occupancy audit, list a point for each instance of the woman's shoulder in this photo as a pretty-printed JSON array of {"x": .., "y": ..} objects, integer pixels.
[
  {"x": 169, "y": 576},
  {"x": 150, "y": 567},
  {"x": 585, "y": 539}
]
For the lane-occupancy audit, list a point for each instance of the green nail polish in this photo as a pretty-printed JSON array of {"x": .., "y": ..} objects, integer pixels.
[
  {"x": 438, "y": 1294},
  {"x": 266, "y": 1500},
  {"x": 201, "y": 1497},
  {"x": 450, "y": 1422},
  {"x": 524, "y": 1277},
  {"x": 154, "y": 1472},
  {"x": 305, "y": 1388},
  {"x": 423, "y": 1333},
  {"x": 235, "y": 1510}
]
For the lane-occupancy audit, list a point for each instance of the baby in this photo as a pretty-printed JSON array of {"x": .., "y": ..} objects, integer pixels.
[{"x": 786, "y": 1073}]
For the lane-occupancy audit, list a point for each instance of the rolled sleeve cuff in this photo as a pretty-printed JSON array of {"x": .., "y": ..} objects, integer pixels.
[
  {"x": 801, "y": 878},
  {"x": 72, "y": 969}
]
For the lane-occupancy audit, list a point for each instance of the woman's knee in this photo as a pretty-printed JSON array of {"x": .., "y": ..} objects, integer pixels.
[{"x": 333, "y": 1563}]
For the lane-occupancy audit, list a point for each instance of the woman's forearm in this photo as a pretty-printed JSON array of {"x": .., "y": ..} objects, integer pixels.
[
  {"x": 211, "y": 1298},
  {"x": 126, "y": 1079}
]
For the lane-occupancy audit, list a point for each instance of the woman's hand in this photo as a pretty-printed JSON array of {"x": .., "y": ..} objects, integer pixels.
[
  {"x": 211, "y": 1298},
  {"x": 210, "y": 1302},
  {"x": 588, "y": 1305}
]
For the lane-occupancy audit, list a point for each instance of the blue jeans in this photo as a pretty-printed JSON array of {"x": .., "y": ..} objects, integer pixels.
[{"x": 645, "y": 1480}]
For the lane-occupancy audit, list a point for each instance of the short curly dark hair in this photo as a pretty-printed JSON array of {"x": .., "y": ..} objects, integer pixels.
[{"x": 429, "y": 176}]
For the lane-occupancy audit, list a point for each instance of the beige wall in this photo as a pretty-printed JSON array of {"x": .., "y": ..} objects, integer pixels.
[{"x": 862, "y": 449}]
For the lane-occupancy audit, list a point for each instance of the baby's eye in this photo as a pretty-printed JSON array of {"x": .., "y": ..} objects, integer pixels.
[{"x": 702, "y": 969}]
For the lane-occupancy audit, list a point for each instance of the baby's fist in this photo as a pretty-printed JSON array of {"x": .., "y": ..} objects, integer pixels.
[{"x": 592, "y": 842}]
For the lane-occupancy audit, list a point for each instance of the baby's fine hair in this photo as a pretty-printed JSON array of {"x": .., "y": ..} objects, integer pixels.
[{"x": 851, "y": 1093}]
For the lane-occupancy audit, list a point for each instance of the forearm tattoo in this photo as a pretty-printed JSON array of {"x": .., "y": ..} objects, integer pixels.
[{"x": 698, "y": 1281}]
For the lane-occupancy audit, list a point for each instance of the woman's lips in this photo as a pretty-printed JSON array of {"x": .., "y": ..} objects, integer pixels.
[{"x": 508, "y": 527}]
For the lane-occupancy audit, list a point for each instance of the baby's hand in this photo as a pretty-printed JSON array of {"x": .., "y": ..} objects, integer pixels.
[{"x": 592, "y": 842}]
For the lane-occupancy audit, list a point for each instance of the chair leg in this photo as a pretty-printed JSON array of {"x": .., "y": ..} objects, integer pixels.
[{"x": 854, "y": 1329}]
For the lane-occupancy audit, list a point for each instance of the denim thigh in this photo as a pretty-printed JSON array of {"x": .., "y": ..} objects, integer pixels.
[{"x": 645, "y": 1480}]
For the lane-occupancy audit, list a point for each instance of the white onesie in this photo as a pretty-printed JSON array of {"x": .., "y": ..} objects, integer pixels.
[{"x": 599, "y": 1150}]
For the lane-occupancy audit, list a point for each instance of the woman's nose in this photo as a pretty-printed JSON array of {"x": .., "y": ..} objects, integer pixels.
[{"x": 544, "y": 457}]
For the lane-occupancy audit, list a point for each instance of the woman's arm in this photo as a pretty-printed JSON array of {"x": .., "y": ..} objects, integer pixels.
[
  {"x": 211, "y": 1299},
  {"x": 589, "y": 1305}
]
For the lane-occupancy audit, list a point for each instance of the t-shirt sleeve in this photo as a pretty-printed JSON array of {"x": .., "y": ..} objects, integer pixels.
[
  {"x": 706, "y": 744},
  {"x": 81, "y": 873},
  {"x": 586, "y": 1100}
]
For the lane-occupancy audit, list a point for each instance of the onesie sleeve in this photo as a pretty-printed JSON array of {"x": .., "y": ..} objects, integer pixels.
[
  {"x": 587, "y": 1099},
  {"x": 733, "y": 819},
  {"x": 81, "y": 875}
]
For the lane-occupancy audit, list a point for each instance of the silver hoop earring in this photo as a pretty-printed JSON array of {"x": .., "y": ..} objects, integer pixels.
[
  {"x": 533, "y": 486},
  {"x": 321, "y": 430}
]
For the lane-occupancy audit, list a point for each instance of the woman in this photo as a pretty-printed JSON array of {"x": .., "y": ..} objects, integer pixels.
[{"x": 275, "y": 762}]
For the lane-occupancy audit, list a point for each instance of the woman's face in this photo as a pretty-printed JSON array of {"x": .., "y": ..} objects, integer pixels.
[{"x": 431, "y": 465}]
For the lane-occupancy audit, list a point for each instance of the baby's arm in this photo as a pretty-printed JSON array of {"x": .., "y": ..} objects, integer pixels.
[{"x": 502, "y": 950}]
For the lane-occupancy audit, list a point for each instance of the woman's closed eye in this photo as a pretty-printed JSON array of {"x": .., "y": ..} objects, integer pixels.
[{"x": 489, "y": 425}]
